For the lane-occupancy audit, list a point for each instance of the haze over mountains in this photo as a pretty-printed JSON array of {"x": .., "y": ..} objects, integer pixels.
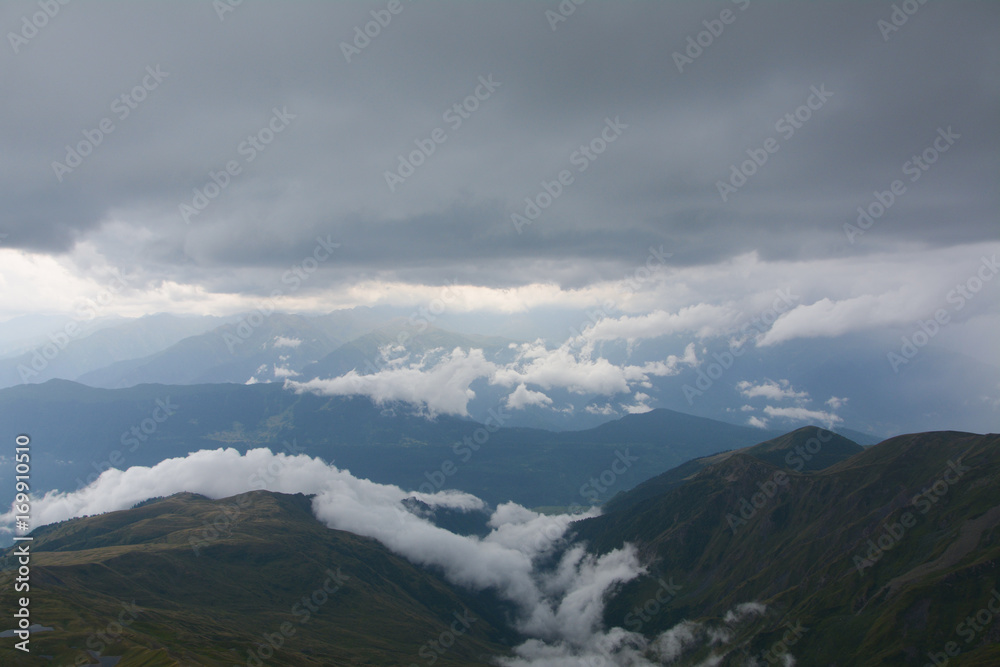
[
  {"x": 100, "y": 429},
  {"x": 797, "y": 383},
  {"x": 523, "y": 334}
]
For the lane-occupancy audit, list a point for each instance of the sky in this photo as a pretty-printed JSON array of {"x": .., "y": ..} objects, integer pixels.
[{"x": 684, "y": 162}]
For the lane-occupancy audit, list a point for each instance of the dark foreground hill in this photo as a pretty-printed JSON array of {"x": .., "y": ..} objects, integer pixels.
[
  {"x": 890, "y": 557},
  {"x": 271, "y": 585},
  {"x": 804, "y": 449}
]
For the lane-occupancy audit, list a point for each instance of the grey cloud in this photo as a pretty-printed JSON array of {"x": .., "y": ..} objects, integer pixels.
[{"x": 655, "y": 185}]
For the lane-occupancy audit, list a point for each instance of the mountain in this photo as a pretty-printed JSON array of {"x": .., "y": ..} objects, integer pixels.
[
  {"x": 880, "y": 558},
  {"x": 71, "y": 349},
  {"x": 80, "y": 431},
  {"x": 259, "y": 345},
  {"x": 363, "y": 354},
  {"x": 161, "y": 585},
  {"x": 805, "y": 449}
]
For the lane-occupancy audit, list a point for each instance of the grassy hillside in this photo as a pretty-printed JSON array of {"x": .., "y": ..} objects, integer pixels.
[
  {"x": 806, "y": 448},
  {"x": 880, "y": 556},
  {"x": 224, "y": 602}
]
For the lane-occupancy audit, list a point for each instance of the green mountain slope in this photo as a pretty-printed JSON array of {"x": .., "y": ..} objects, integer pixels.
[
  {"x": 881, "y": 556},
  {"x": 807, "y": 448},
  {"x": 272, "y": 579}
]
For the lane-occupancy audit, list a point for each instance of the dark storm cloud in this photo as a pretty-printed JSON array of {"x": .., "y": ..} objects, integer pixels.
[{"x": 344, "y": 124}]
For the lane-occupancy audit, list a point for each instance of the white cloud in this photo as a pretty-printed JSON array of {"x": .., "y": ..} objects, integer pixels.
[
  {"x": 442, "y": 384},
  {"x": 522, "y": 397},
  {"x": 671, "y": 644},
  {"x": 563, "y": 367},
  {"x": 743, "y": 611},
  {"x": 281, "y": 341},
  {"x": 662, "y": 368},
  {"x": 836, "y": 403},
  {"x": 758, "y": 422},
  {"x": 803, "y": 414},
  {"x": 640, "y": 406},
  {"x": 284, "y": 372},
  {"x": 771, "y": 390},
  {"x": 442, "y": 389},
  {"x": 703, "y": 319}
]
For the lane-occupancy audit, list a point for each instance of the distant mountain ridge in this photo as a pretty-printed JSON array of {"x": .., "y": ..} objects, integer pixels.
[
  {"x": 265, "y": 347},
  {"x": 74, "y": 349},
  {"x": 272, "y": 347},
  {"x": 101, "y": 428}
]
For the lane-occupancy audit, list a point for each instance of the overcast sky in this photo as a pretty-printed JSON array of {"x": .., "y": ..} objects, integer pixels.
[{"x": 311, "y": 115}]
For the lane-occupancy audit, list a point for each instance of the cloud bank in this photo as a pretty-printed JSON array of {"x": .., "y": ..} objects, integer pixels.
[
  {"x": 559, "y": 608},
  {"x": 443, "y": 384}
]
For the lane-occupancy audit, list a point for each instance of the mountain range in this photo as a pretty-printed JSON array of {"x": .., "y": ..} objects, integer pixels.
[
  {"x": 101, "y": 428},
  {"x": 803, "y": 549},
  {"x": 803, "y": 381}
]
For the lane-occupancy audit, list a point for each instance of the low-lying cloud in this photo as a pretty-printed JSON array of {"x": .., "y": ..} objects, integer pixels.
[
  {"x": 559, "y": 609},
  {"x": 443, "y": 384}
]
